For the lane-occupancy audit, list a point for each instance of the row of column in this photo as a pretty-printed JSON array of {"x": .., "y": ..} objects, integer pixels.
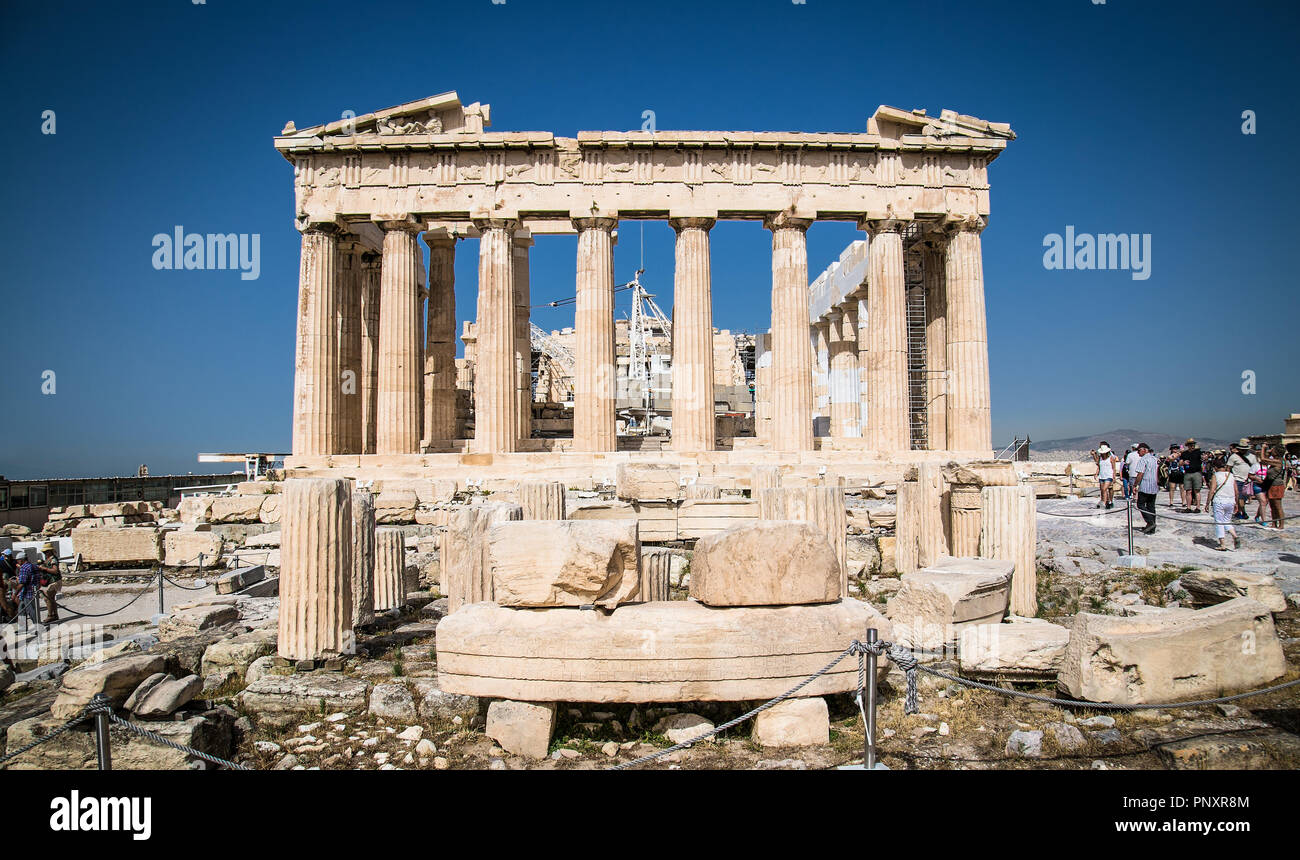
[
  {"x": 865, "y": 344},
  {"x": 368, "y": 380}
]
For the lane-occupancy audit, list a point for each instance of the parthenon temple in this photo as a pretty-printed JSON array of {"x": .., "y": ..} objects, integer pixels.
[{"x": 879, "y": 363}]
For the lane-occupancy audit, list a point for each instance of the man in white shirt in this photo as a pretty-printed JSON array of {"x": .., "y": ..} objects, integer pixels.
[
  {"x": 1146, "y": 485},
  {"x": 1129, "y": 459}
]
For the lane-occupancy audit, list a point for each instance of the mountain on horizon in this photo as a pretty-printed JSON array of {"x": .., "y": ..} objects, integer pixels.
[{"x": 1119, "y": 440}]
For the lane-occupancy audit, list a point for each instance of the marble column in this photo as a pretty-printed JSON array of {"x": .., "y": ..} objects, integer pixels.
[
  {"x": 844, "y": 373},
  {"x": 542, "y": 500},
  {"x": 523, "y": 335},
  {"x": 369, "y": 382},
  {"x": 791, "y": 373},
  {"x": 763, "y": 387},
  {"x": 595, "y": 374},
  {"x": 496, "y": 404},
  {"x": 694, "y": 425},
  {"x": 936, "y": 343},
  {"x": 316, "y": 385},
  {"x": 969, "y": 421},
  {"x": 390, "y": 569},
  {"x": 1009, "y": 531},
  {"x": 440, "y": 341},
  {"x": 349, "y": 325},
  {"x": 315, "y": 619},
  {"x": 398, "y": 420},
  {"x": 821, "y": 358},
  {"x": 887, "y": 390},
  {"x": 863, "y": 339},
  {"x": 363, "y": 558}
]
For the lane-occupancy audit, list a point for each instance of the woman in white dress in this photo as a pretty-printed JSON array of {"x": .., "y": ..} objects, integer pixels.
[{"x": 1223, "y": 501}]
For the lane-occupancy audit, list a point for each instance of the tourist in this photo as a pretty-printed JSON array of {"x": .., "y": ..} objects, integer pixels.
[
  {"x": 1293, "y": 472},
  {"x": 1243, "y": 465},
  {"x": 1193, "y": 461},
  {"x": 1129, "y": 460},
  {"x": 1146, "y": 485},
  {"x": 29, "y": 580},
  {"x": 1222, "y": 500},
  {"x": 1173, "y": 467},
  {"x": 51, "y": 582},
  {"x": 1106, "y": 462},
  {"x": 1273, "y": 487},
  {"x": 8, "y": 571}
]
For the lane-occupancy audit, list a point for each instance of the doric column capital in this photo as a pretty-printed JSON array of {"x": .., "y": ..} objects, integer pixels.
[
  {"x": 606, "y": 224},
  {"x": 485, "y": 224},
  {"x": 965, "y": 224},
  {"x": 680, "y": 224},
  {"x": 522, "y": 240},
  {"x": 876, "y": 226},
  {"x": 331, "y": 227},
  {"x": 834, "y": 316},
  {"x": 786, "y": 221},
  {"x": 404, "y": 223},
  {"x": 439, "y": 239}
]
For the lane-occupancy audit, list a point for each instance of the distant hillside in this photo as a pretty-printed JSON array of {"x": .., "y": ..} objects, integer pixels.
[{"x": 1121, "y": 439}]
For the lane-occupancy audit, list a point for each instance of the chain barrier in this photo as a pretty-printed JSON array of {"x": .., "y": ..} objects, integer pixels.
[
  {"x": 102, "y": 705},
  {"x": 148, "y": 589}
]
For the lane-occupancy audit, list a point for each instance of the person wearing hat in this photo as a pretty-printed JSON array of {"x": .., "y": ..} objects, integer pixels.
[
  {"x": 1146, "y": 485},
  {"x": 1242, "y": 463},
  {"x": 52, "y": 581},
  {"x": 1193, "y": 475},
  {"x": 1106, "y": 462}
]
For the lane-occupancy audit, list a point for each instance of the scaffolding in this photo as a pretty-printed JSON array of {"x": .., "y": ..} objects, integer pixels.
[{"x": 918, "y": 401}]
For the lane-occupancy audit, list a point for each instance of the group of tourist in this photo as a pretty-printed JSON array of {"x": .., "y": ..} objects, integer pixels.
[
  {"x": 22, "y": 580},
  {"x": 1229, "y": 479}
]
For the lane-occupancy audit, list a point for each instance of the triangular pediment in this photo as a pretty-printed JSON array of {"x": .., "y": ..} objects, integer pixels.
[
  {"x": 440, "y": 114},
  {"x": 894, "y": 123}
]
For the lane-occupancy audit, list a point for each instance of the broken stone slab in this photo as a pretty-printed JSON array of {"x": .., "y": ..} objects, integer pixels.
[
  {"x": 647, "y": 481},
  {"x": 698, "y": 518},
  {"x": 522, "y": 728},
  {"x": 564, "y": 563},
  {"x": 211, "y": 732},
  {"x": 182, "y": 549},
  {"x": 766, "y": 563},
  {"x": 116, "y": 679},
  {"x": 1210, "y": 587},
  {"x": 936, "y": 604},
  {"x": 1260, "y": 749},
  {"x": 396, "y": 507},
  {"x": 682, "y": 728},
  {"x": 163, "y": 698},
  {"x": 270, "y": 539},
  {"x": 189, "y": 622},
  {"x": 466, "y": 565},
  {"x": 794, "y": 723},
  {"x": 239, "y": 579},
  {"x": 393, "y": 701},
  {"x": 128, "y": 545},
  {"x": 235, "y": 509},
  {"x": 238, "y": 653},
  {"x": 1028, "y": 647},
  {"x": 651, "y": 652},
  {"x": 279, "y": 700},
  {"x": 1150, "y": 659}
]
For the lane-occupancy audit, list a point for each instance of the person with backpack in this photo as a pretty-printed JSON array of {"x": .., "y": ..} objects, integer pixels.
[
  {"x": 1242, "y": 463},
  {"x": 1193, "y": 462},
  {"x": 1273, "y": 487},
  {"x": 1173, "y": 469},
  {"x": 29, "y": 581}
]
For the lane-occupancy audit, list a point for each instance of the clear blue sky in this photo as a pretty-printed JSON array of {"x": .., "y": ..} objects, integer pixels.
[{"x": 1128, "y": 116}]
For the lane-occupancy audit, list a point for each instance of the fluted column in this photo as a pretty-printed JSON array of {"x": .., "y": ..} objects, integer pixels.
[
  {"x": 316, "y": 388},
  {"x": 440, "y": 341},
  {"x": 694, "y": 426},
  {"x": 936, "y": 343},
  {"x": 400, "y": 362},
  {"x": 363, "y": 558},
  {"x": 315, "y": 619},
  {"x": 821, "y": 359},
  {"x": 390, "y": 568},
  {"x": 523, "y": 336},
  {"x": 844, "y": 373},
  {"x": 887, "y": 407},
  {"x": 496, "y": 424},
  {"x": 791, "y": 374},
  {"x": 369, "y": 289},
  {"x": 595, "y": 374},
  {"x": 969, "y": 420},
  {"x": 349, "y": 325},
  {"x": 1009, "y": 531},
  {"x": 863, "y": 339}
]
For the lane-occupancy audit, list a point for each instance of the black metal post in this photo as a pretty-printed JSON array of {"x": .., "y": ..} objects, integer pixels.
[
  {"x": 161, "y": 610},
  {"x": 1128, "y": 505},
  {"x": 869, "y": 758},
  {"x": 102, "y": 747}
]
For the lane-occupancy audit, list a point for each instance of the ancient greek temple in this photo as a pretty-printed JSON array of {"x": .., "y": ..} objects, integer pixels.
[{"x": 376, "y": 382}]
